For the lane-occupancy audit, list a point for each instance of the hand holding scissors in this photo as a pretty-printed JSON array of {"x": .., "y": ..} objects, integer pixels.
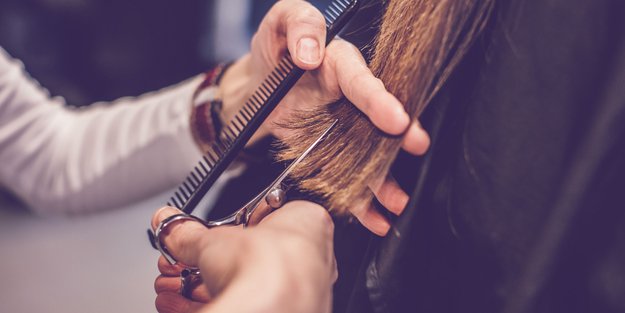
[{"x": 271, "y": 198}]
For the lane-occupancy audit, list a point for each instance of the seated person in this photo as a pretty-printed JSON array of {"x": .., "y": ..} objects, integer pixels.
[{"x": 517, "y": 207}]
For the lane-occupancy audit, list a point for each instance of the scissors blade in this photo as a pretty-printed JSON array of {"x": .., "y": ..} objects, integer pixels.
[
  {"x": 297, "y": 161},
  {"x": 244, "y": 215}
]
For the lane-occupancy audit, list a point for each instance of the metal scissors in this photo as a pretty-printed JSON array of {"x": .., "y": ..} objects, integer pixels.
[{"x": 271, "y": 198}]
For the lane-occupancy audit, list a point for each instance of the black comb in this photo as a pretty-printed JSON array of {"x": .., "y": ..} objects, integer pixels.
[{"x": 244, "y": 124}]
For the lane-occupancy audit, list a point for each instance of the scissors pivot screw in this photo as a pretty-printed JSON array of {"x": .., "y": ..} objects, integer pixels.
[{"x": 276, "y": 198}]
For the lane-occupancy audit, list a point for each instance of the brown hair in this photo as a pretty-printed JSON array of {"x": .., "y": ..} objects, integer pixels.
[{"x": 418, "y": 45}]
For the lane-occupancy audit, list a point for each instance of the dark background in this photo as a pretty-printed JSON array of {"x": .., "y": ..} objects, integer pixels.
[{"x": 95, "y": 50}]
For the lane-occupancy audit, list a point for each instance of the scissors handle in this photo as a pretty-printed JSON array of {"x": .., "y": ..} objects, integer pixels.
[{"x": 271, "y": 198}]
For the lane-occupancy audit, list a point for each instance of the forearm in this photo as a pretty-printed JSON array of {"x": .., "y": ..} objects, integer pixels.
[
  {"x": 120, "y": 152},
  {"x": 60, "y": 160}
]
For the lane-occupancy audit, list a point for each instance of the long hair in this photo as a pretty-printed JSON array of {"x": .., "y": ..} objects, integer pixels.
[{"x": 419, "y": 44}]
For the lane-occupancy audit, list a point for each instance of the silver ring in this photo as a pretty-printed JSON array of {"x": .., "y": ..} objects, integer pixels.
[
  {"x": 188, "y": 278},
  {"x": 163, "y": 225}
]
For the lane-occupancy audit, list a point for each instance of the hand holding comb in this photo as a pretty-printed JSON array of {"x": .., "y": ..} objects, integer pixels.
[{"x": 246, "y": 122}]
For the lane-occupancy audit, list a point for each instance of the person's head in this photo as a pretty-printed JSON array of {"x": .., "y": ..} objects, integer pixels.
[{"x": 418, "y": 45}]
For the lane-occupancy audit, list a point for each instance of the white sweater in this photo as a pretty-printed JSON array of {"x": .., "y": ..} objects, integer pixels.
[{"x": 64, "y": 160}]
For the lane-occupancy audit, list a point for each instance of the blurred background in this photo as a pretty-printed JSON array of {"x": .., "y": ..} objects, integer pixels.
[
  {"x": 95, "y": 50},
  {"x": 100, "y": 50}
]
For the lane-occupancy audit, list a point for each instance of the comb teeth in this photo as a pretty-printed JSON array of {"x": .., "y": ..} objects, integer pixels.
[
  {"x": 334, "y": 10},
  {"x": 254, "y": 111}
]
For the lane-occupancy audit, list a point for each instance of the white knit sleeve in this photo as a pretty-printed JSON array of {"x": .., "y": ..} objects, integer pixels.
[{"x": 62, "y": 160}]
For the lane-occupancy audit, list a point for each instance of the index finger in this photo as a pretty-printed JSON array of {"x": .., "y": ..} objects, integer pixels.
[{"x": 364, "y": 90}]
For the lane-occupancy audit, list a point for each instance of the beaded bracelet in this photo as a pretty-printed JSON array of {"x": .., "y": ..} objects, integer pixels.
[{"x": 206, "y": 105}]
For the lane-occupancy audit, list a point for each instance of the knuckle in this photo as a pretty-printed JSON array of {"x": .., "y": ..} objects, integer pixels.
[
  {"x": 330, "y": 62},
  {"x": 307, "y": 15},
  {"x": 324, "y": 220},
  {"x": 360, "y": 78},
  {"x": 321, "y": 215},
  {"x": 167, "y": 269},
  {"x": 157, "y": 284},
  {"x": 278, "y": 7},
  {"x": 307, "y": 11},
  {"x": 342, "y": 51},
  {"x": 340, "y": 45},
  {"x": 345, "y": 49},
  {"x": 377, "y": 81},
  {"x": 158, "y": 216},
  {"x": 163, "y": 265},
  {"x": 355, "y": 86},
  {"x": 178, "y": 240},
  {"x": 160, "y": 284},
  {"x": 314, "y": 213}
]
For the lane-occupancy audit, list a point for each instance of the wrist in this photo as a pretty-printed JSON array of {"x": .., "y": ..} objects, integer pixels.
[
  {"x": 219, "y": 98},
  {"x": 206, "y": 106},
  {"x": 236, "y": 87}
]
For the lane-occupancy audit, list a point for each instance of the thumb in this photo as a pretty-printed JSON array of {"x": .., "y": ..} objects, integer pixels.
[
  {"x": 183, "y": 239},
  {"x": 305, "y": 30}
]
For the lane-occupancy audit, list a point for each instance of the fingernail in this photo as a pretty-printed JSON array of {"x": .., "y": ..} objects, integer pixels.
[{"x": 308, "y": 50}]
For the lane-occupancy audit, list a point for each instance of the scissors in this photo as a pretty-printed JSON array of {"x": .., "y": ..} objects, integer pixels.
[{"x": 271, "y": 198}]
